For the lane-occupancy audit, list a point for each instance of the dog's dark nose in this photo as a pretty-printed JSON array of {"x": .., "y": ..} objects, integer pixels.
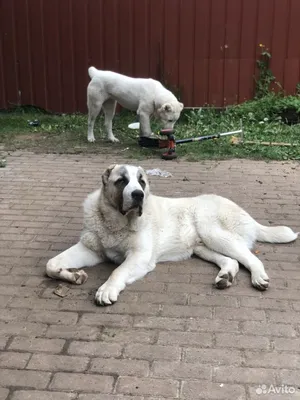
[{"x": 137, "y": 195}]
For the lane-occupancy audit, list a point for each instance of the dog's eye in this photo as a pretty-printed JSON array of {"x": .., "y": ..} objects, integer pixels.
[
  {"x": 122, "y": 181},
  {"x": 142, "y": 182}
]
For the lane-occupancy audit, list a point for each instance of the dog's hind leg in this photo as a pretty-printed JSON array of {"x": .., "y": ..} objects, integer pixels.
[
  {"x": 94, "y": 108},
  {"x": 235, "y": 247},
  {"x": 65, "y": 265},
  {"x": 109, "y": 108},
  {"x": 229, "y": 267}
]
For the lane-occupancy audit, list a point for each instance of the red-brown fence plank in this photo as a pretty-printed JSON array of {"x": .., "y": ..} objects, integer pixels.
[
  {"x": 186, "y": 49},
  {"x": 201, "y": 51},
  {"x": 156, "y": 42},
  {"x": 216, "y": 52},
  {"x": 126, "y": 45},
  {"x": 2, "y": 81},
  {"x": 67, "y": 56},
  {"x": 110, "y": 37},
  {"x": 279, "y": 39},
  {"x": 95, "y": 16},
  {"x": 9, "y": 52},
  {"x": 249, "y": 41},
  {"x": 265, "y": 23},
  {"x": 232, "y": 51},
  {"x": 248, "y": 48},
  {"x": 264, "y": 28},
  {"x": 291, "y": 76},
  {"x": 23, "y": 49},
  {"x": 38, "y": 56},
  {"x": 293, "y": 50},
  {"x": 171, "y": 42},
  {"x": 52, "y": 50},
  {"x": 141, "y": 38},
  {"x": 246, "y": 79},
  {"x": 80, "y": 43}
]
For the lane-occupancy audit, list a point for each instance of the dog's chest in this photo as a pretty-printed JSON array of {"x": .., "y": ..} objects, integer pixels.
[
  {"x": 114, "y": 241},
  {"x": 116, "y": 255},
  {"x": 115, "y": 245}
]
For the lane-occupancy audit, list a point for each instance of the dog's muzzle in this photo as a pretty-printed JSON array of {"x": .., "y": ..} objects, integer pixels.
[
  {"x": 135, "y": 203},
  {"x": 138, "y": 199}
]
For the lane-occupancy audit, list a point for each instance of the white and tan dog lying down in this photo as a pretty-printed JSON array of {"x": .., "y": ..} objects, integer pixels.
[
  {"x": 145, "y": 96},
  {"x": 126, "y": 224}
]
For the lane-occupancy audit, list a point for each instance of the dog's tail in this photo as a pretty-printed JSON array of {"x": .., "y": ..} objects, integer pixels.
[
  {"x": 275, "y": 234},
  {"x": 92, "y": 72}
]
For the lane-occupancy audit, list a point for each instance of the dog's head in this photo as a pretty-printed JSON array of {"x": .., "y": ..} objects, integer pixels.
[
  {"x": 126, "y": 188},
  {"x": 169, "y": 113}
]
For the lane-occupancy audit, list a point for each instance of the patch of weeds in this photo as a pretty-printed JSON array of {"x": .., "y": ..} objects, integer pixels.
[
  {"x": 288, "y": 108},
  {"x": 257, "y": 126},
  {"x": 271, "y": 104},
  {"x": 265, "y": 77}
]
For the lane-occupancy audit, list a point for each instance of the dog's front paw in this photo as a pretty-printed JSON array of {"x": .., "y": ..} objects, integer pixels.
[
  {"x": 113, "y": 139},
  {"x": 260, "y": 280},
  {"x": 78, "y": 276},
  {"x": 107, "y": 294},
  {"x": 91, "y": 139}
]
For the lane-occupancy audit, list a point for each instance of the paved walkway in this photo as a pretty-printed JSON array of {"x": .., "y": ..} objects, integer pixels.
[{"x": 171, "y": 335}]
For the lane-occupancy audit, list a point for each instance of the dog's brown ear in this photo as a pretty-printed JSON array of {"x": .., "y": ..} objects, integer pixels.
[{"x": 107, "y": 173}]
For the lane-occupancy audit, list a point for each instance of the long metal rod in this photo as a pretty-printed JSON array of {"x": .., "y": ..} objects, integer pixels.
[{"x": 207, "y": 137}]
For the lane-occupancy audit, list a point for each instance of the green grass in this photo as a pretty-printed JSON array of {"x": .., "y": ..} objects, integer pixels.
[{"x": 67, "y": 133}]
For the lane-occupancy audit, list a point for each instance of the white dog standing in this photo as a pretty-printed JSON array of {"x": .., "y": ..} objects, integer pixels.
[
  {"x": 126, "y": 224},
  {"x": 145, "y": 96}
]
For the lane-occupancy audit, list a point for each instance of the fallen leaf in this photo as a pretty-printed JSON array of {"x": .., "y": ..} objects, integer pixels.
[{"x": 61, "y": 290}]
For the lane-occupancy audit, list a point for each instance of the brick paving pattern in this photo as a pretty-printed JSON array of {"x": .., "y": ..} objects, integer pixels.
[{"x": 171, "y": 335}]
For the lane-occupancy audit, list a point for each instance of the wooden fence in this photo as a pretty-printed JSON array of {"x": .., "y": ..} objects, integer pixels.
[{"x": 204, "y": 49}]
